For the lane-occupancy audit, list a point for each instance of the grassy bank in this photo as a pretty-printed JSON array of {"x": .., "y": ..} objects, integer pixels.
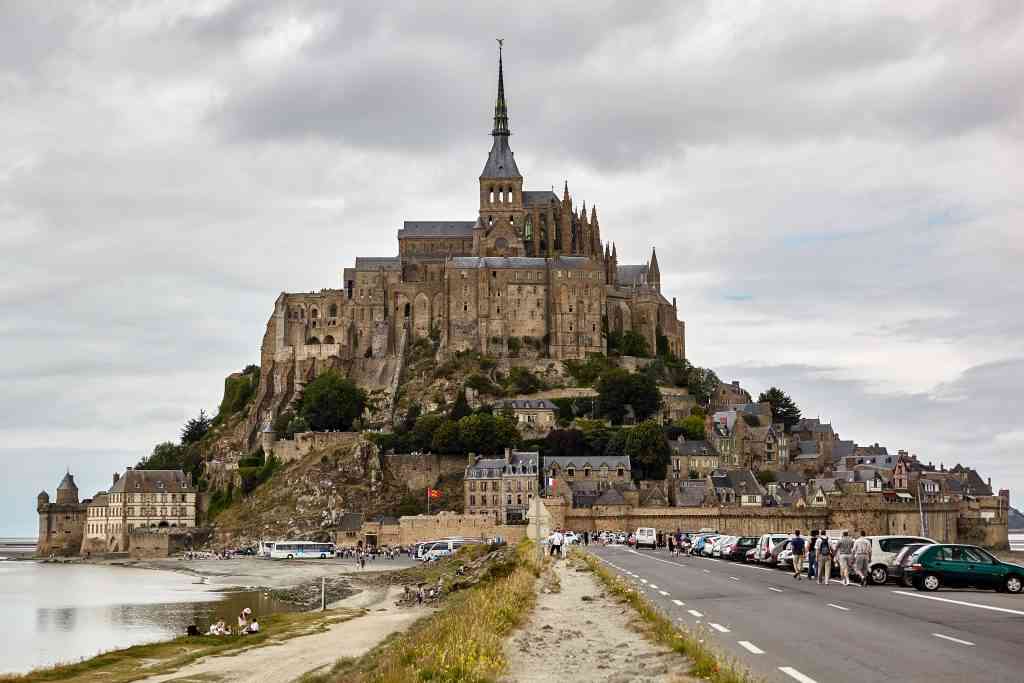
[
  {"x": 140, "y": 661},
  {"x": 707, "y": 663},
  {"x": 461, "y": 642}
]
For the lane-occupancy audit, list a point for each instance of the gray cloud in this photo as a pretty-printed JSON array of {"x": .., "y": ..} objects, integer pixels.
[{"x": 835, "y": 193}]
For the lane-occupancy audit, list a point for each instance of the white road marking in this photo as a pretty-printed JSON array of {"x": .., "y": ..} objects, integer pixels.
[
  {"x": 644, "y": 580},
  {"x": 665, "y": 593},
  {"x": 796, "y": 675},
  {"x": 734, "y": 578},
  {"x": 952, "y": 639},
  {"x": 653, "y": 586},
  {"x": 707, "y": 571},
  {"x": 680, "y": 603},
  {"x": 751, "y": 648},
  {"x": 845, "y": 609},
  {"x": 718, "y": 627},
  {"x": 772, "y": 588},
  {"x": 695, "y": 613},
  {"x": 961, "y": 602}
]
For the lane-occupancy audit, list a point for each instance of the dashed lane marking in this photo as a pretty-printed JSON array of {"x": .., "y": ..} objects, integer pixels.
[
  {"x": 839, "y": 607},
  {"x": 772, "y": 588},
  {"x": 695, "y": 613},
  {"x": 718, "y": 627},
  {"x": 707, "y": 571},
  {"x": 796, "y": 675},
  {"x": 643, "y": 580},
  {"x": 654, "y": 587},
  {"x": 735, "y": 578},
  {"x": 961, "y": 602},
  {"x": 665, "y": 593},
  {"x": 751, "y": 648},
  {"x": 680, "y": 603},
  {"x": 953, "y": 640}
]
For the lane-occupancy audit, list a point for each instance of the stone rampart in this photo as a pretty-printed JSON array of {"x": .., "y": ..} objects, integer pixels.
[
  {"x": 307, "y": 442},
  {"x": 415, "y": 529},
  {"x": 147, "y": 544},
  {"x": 418, "y": 472}
]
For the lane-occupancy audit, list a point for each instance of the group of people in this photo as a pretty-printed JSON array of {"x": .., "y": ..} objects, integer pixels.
[
  {"x": 849, "y": 555},
  {"x": 559, "y": 540},
  {"x": 247, "y": 623}
]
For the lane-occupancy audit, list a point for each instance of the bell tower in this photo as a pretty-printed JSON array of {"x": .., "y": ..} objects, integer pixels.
[{"x": 501, "y": 184}]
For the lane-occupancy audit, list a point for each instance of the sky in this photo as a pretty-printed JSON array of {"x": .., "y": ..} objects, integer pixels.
[{"x": 835, "y": 191}]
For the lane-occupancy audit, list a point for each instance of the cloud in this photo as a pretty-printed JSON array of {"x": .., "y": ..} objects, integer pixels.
[{"x": 835, "y": 193}]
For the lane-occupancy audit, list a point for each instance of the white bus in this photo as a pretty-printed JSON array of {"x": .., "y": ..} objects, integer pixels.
[{"x": 297, "y": 550}]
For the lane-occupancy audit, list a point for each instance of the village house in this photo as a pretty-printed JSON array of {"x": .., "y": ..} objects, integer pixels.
[
  {"x": 501, "y": 488},
  {"x": 691, "y": 457},
  {"x": 534, "y": 416}
]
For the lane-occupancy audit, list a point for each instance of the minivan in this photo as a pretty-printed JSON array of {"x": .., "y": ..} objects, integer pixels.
[{"x": 646, "y": 536}]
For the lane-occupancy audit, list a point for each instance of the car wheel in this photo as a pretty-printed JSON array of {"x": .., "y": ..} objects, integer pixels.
[
  {"x": 931, "y": 582},
  {"x": 1013, "y": 584},
  {"x": 879, "y": 574},
  {"x": 291, "y": 557}
]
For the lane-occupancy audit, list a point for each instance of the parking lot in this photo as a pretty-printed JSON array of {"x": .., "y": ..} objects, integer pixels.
[{"x": 786, "y": 630}]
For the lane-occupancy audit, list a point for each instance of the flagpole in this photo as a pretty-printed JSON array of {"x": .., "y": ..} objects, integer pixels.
[{"x": 428, "y": 501}]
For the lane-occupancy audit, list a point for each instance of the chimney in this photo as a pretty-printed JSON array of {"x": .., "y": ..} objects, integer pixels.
[
  {"x": 736, "y": 383},
  {"x": 116, "y": 477}
]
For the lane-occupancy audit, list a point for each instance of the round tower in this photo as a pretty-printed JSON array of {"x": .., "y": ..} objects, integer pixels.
[{"x": 42, "y": 500}]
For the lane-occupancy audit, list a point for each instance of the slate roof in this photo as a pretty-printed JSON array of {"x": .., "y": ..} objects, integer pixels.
[
  {"x": 351, "y": 521},
  {"x": 479, "y": 469},
  {"x": 377, "y": 262},
  {"x": 436, "y": 229},
  {"x": 497, "y": 262},
  {"x": 535, "y": 197},
  {"x": 595, "y": 462},
  {"x": 611, "y": 496},
  {"x": 743, "y": 482},
  {"x": 528, "y": 404},
  {"x": 808, "y": 450},
  {"x": 653, "y": 496},
  {"x": 812, "y": 424},
  {"x": 152, "y": 481},
  {"x": 790, "y": 477},
  {"x": 699, "y": 447},
  {"x": 632, "y": 274},
  {"x": 842, "y": 449},
  {"x": 501, "y": 162},
  {"x": 68, "y": 482},
  {"x": 691, "y": 493},
  {"x": 385, "y": 520}
]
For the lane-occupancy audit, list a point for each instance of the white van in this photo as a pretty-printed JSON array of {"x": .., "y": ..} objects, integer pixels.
[
  {"x": 439, "y": 549},
  {"x": 646, "y": 536},
  {"x": 884, "y": 549}
]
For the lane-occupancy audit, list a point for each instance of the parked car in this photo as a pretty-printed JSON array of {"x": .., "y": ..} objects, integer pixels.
[
  {"x": 765, "y": 544},
  {"x": 883, "y": 551},
  {"x": 956, "y": 565},
  {"x": 709, "y": 546},
  {"x": 700, "y": 542},
  {"x": 738, "y": 549},
  {"x": 897, "y": 568},
  {"x": 646, "y": 537},
  {"x": 716, "y": 547},
  {"x": 775, "y": 555},
  {"x": 571, "y": 537},
  {"x": 750, "y": 555}
]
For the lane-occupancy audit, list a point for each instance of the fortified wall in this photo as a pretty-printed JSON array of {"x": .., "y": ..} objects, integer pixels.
[{"x": 418, "y": 472}]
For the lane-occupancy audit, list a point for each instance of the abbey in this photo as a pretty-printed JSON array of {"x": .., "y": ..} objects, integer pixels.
[{"x": 530, "y": 276}]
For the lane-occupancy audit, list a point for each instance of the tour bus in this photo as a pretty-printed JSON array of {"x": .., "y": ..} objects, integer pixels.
[
  {"x": 265, "y": 548},
  {"x": 298, "y": 550}
]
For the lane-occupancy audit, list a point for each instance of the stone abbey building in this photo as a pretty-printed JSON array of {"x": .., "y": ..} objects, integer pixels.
[{"x": 529, "y": 276}]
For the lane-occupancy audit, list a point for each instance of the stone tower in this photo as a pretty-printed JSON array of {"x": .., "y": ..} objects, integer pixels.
[{"x": 501, "y": 185}]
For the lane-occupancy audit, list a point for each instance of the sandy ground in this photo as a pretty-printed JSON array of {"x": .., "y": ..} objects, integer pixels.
[
  {"x": 251, "y": 572},
  {"x": 293, "y": 658},
  {"x": 569, "y": 638}
]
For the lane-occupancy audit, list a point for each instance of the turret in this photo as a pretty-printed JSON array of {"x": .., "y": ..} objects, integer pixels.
[
  {"x": 42, "y": 500},
  {"x": 653, "y": 272},
  {"x": 501, "y": 184},
  {"x": 67, "y": 492}
]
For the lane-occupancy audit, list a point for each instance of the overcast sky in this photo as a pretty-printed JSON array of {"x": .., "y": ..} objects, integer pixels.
[{"x": 835, "y": 191}]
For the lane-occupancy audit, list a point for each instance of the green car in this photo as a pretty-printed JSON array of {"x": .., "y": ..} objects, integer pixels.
[{"x": 959, "y": 566}]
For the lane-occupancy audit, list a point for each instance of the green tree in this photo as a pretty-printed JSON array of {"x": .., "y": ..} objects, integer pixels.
[
  {"x": 411, "y": 416},
  {"x": 297, "y": 425},
  {"x": 765, "y": 477},
  {"x": 648, "y": 450},
  {"x": 424, "y": 429},
  {"x": 644, "y": 396},
  {"x": 446, "y": 438},
  {"x": 634, "y": 344},
  {"x": 783, "y": 408},
  {"x": 616, "y": 445},
  {"x": 282, "y": 421},
  {"x": 332, "y": 402},
  {"x": 165, "y": 456},
  {"x": 460, "y": 408},
  {"x": 522, "y": 381},
  {"x": 195, "y": 429},
  {"x": 693, "y": 428},
  {"x": 613, "y": 394}
]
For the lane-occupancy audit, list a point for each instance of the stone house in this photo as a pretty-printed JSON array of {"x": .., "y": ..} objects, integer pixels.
[
  {"x": 605, "y": 470},
  {"x": 349, "y": 531},
  {"x": 692, "y": 456},
  {"x": 737, "y": 487},
  {"x": 727, "y": 396},
  {"x": 534, "y": 416},
  {"x": 501, "y": 488},
  {"x": 381, "y": 531}
]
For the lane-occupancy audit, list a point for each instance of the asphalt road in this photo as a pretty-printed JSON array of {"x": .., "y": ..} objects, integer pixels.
[{"x": 788, "y": 630}]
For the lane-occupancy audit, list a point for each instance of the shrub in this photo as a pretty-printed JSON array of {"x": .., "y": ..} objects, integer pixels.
[
  {"x": 522, "y": 381},
  {"x": 332, "y": 402}
]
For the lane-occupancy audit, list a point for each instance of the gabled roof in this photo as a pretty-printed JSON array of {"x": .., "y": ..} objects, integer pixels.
[
  {"x": 790, "y": 477},
  {"x": 152, "y": 481},
  {"x": 594, "y": 461},
  {"x": 632, "y": 274},
  {"x": 365, "y": 263},
  {"x": 527, "y": 403},
  {"x": 696, "y": 447},
  {"x": 653, "y": 496},
  {"x": 611, "y": 496},
  {"x": 463, "y": 229},
  {"x": 535, "y": 197}
]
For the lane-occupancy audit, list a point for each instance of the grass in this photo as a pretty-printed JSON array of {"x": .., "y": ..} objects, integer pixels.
[
  {"x": 141, "y": 661},
  {"x": 462, "y": 642},
  {"x": 707, "y": 663}
]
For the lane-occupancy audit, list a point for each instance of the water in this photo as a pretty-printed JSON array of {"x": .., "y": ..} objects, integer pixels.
[{"x": 62, "y": 613}]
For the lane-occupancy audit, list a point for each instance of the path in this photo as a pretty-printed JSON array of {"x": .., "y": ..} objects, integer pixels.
[
  {"x": 580, "y": 634},
  {"x": 298, "y": 656}
]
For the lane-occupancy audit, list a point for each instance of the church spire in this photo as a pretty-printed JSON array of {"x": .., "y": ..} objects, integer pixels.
[{"x": 500, "y": 108}]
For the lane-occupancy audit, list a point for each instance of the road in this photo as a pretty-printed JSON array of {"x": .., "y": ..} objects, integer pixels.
[{"x": 788, "y": 630}]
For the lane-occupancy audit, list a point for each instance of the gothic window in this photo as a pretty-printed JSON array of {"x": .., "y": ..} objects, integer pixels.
[{"x": 334, "y": 310}]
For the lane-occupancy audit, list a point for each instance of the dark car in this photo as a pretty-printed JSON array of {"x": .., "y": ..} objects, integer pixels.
[
  {"x": 896, "y": 571},
  {"x": 955, "y": 565},
  {"x": 737, "y": 550}
]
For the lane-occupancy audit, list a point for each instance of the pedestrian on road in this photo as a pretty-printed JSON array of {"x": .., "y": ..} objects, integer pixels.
[
  {"x": 812, "y": 555},
  {"x": 671, "y": 544},
  {"x": 844, "y": 553},
  {"x": 862, "y": 557},
  {"x": 798, "y": 546},
  {"x": 824, "y": 559}
]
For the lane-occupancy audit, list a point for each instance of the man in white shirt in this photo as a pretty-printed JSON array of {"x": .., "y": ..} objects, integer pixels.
[{"x": 862, "y": 557}]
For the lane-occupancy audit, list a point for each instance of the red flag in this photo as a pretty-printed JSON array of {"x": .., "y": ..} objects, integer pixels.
[{"x": 433, "y": 493}]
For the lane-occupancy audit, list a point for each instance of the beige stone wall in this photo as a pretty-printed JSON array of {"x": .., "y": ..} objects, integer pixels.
[
  {"x": 305, "y": 442},
  {"x": 418, "y": 472},
  {"x": 61, "y": 528},
  {"x": 448, "y": 524}
]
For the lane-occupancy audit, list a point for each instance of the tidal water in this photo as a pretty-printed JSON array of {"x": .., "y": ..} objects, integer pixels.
[{"x": 63, "y": 613}]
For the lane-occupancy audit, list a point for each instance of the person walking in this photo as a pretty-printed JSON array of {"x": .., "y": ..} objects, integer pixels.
[
  {"x": 844, "y": 554},
  {"x": 862, "y": 557},
  {"x": 812, "y": 555},
  {"x": 799, "y": 546},
  {"x": 824, "y": 559}
]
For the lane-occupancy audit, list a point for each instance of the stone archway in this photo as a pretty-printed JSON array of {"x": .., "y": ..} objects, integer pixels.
[{"x": 421, "y": 315}]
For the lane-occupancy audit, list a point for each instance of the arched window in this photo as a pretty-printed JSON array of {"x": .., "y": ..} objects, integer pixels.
[
  {"x": 314, "y": 314},
  {"x": 313, "y": 340},
  {"x": 329, "y": 339},
  {"x": 334, "y": 310},
  {"x": 407, "y": 310}
]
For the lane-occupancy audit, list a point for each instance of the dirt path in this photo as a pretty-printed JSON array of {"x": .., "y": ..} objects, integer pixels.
[
  {"x": 293, "y": 658},
  {"x": 580, "y": 634}
]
